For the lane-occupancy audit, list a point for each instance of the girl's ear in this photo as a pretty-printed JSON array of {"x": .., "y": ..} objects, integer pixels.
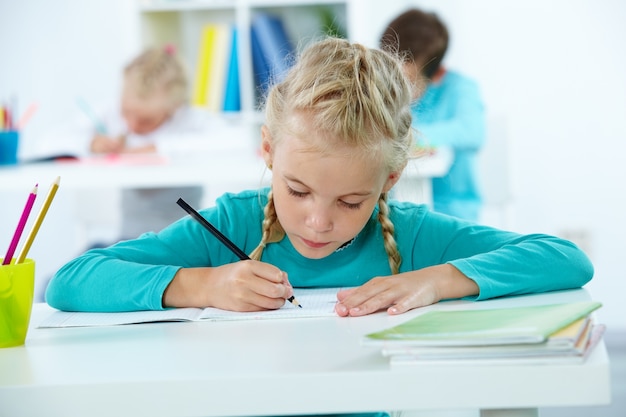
[
  {"x": 266, "y": 145},
  {"x": 438, "y": 75},
  {"x": 392, "y": 179}
]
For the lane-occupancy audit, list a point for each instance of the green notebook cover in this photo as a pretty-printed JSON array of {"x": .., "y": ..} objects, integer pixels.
[{"x": 484, "y": 327}]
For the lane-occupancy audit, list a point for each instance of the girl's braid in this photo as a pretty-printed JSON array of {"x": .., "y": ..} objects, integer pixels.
[
  {"x": 388, "y": 231},
  {"x": 272, "y": 230}
]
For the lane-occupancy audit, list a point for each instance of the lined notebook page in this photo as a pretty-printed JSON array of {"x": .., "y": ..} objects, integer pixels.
[
  {"x": 315, "y": 303},
  {"x": 319, "y": 302}
]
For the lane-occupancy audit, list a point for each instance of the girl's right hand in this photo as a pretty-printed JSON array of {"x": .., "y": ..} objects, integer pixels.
[
  {"x": 241, "y": 286},
  {"x": 101, "y": 144}
]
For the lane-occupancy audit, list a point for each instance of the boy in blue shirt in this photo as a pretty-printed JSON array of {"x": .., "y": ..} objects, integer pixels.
[{"x": 448, "y": 110}]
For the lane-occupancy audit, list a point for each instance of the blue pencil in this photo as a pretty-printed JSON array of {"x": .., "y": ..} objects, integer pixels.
[{"x": 97, "y": 123}]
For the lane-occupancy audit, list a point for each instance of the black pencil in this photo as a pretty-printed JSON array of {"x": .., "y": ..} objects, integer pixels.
[{"x": 230, "y": 245}]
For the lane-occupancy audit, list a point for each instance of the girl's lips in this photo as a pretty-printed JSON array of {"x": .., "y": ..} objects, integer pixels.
[{"x": 314, "y": 245}]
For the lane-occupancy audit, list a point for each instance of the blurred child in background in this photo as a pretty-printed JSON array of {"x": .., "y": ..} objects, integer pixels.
[
  {"x": 448, "y": 110},
  {"x": 151, "y": 118}
]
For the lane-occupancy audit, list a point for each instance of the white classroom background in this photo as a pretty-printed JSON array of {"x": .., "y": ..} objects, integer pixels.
[{"x": 553, "y": 76}]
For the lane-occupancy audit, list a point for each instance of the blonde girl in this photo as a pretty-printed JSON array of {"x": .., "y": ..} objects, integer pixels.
[{"x": 337, "y": 137}]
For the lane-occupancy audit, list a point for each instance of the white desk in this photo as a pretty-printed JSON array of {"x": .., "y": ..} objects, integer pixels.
[{"x": 273, "y": 367}]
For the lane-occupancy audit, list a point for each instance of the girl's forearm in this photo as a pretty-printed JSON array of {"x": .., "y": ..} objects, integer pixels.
[{"x": 452, "y": 283}]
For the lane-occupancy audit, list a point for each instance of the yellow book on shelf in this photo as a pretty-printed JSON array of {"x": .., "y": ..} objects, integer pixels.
[
  {"x": 216, "y": 82},
  {"x": 203, "y": 65}
]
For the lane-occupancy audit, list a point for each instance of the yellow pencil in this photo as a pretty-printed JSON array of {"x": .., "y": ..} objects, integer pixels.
[{"x": 38, "y": 220}]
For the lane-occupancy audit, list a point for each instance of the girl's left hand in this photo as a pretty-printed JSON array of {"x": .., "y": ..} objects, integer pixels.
[{"x": 403, "y": 292}]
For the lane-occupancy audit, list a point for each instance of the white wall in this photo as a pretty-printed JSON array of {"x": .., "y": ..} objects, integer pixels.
[
  {"x": 553, "y": 71},
  {"x": 56, "y": 51}
]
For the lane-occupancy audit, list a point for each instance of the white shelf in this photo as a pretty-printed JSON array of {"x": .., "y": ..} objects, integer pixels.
[
  {"x": 180, "y": 5},
  {"x": 180, "y": 22}
]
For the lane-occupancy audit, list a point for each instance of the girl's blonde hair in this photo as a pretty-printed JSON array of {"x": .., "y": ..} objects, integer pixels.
[
  {"x": 355, "y": 96},
  {"x": 158, "y": 71}
]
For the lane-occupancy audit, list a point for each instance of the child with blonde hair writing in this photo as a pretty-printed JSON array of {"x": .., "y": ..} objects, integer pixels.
[
  {"x": 152, "y": 118},
  {"x": 337, "y": 138}
]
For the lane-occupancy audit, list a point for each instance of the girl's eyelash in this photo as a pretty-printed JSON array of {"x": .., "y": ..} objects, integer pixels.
[
  {"x": 295, "y": 193},
  {"x": 351, "y": 206}
]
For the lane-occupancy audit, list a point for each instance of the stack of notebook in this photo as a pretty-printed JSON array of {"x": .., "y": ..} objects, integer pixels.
[{"x": 545, "y": 333}]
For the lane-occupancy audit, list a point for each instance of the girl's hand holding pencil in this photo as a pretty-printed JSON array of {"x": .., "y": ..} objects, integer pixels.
[
  {"x": 241, "y": 286},
  {"x": 103, "y": 144}
]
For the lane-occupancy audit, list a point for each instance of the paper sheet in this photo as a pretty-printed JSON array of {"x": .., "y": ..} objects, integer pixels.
[{"x": 319, "y": 302}]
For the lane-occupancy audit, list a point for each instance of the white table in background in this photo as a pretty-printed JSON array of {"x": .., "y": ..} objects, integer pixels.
[
  {"x": 210, "y": 170},
  {"x": 273, "y": 367},
  {"x": 96, "y": 184}
]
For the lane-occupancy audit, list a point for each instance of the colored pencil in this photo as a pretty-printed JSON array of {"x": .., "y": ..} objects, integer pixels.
[
  {"x": 28, "y": 114},
  {"x": 20, "y": 226},
  {"x": 42, "y": 213},
  {"x": 227, "y": 242},
  {"x": 97, "y": 123}
]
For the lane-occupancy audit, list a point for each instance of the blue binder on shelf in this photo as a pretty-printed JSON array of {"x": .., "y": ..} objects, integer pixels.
[
  {"x": 259, "y": 65},
  {"x": 232, "y": 93},
  {"x": 272, "y": 52}
]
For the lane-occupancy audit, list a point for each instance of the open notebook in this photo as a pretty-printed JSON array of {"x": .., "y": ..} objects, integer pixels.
[{"x": 319, "y": 302}]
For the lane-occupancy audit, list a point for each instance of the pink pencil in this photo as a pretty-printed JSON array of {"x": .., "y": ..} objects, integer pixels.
[
  {"x": 26, "y": 116},
  {"x": 20, "y": 226}
]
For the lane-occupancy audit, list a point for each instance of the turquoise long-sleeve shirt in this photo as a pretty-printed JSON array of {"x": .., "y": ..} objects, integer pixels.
[
  {"x": 133, "y": 275},
  {"x": 450, "y": 113}
]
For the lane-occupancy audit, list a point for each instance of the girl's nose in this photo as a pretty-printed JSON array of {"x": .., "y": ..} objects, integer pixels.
[{"x": 319, "y": 220}]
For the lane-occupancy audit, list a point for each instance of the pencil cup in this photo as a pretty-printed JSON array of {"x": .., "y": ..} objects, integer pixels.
[
  {"x": 9, "y": 141},
  {"x": 17, "y": 284}
]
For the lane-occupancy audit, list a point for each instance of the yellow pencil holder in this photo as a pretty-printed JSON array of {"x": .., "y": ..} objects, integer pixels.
[{"x": 17, "y": 285}]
